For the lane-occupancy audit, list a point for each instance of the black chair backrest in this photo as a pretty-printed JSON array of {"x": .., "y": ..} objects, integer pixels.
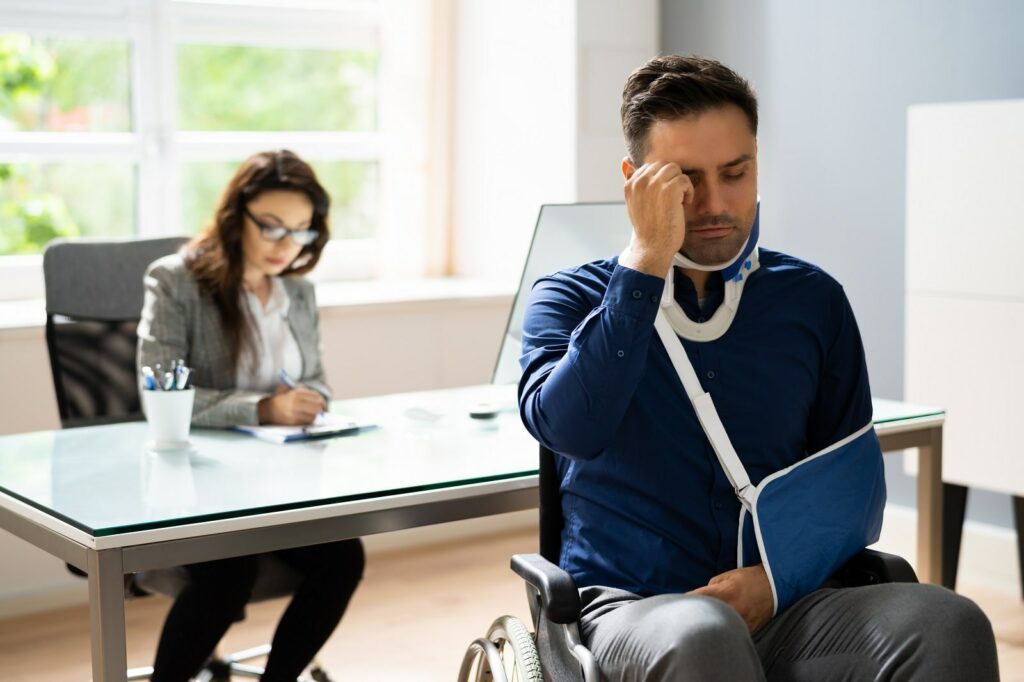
[
  {"x": 551, "y": 520},
  {"x": 93, "y": 302}
]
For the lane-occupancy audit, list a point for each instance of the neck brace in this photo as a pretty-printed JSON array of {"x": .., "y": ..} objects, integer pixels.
[{"x": 734, "y": 275}]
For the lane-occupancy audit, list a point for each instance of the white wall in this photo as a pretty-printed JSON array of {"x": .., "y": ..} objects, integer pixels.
[
  {"x": 612, "y": 39},
  {"x": 536, "y": 100},
  {"x": 514, "y": 109}
]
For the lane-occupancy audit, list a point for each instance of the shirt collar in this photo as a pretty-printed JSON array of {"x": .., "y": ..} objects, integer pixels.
[
  {"x": 686, "y": 294},
  {"x": 278, "y": 303}
]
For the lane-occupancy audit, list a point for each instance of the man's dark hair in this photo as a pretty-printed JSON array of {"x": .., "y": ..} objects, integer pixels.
[{"x": 674, "y": 87}]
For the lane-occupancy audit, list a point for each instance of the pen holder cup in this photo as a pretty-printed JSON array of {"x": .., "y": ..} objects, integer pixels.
[{"x": 169, "y": 414}]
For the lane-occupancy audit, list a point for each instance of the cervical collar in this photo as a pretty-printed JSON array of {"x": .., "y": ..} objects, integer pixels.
[{"x": 734, "y": 274}]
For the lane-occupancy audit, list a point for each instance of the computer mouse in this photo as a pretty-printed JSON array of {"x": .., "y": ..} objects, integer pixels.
[{"x": 484, "y": 411}]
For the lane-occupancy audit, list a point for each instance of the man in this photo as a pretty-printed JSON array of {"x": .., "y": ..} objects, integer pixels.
[{"x": 651, "y": 528}]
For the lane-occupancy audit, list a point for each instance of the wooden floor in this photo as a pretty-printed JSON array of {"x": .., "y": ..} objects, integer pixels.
[{"x": 410, "y": 620}]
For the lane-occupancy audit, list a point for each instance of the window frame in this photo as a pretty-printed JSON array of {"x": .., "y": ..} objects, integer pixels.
[{"x": 158, "y": 149}]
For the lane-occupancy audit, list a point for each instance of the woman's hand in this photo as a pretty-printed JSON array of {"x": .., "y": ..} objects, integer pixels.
[{"x": 298, "y": 406}]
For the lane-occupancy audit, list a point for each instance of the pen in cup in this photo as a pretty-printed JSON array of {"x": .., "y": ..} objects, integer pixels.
[
  {"x": 181, "y": 376},
  {"x": 155, "y": 378}
]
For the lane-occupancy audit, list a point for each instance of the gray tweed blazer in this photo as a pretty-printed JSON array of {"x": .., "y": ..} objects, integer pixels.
[{"x": 179, "y": 322}]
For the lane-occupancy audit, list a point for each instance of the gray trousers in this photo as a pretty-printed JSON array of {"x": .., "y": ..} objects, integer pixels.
[{"x": 899, "y": 632}]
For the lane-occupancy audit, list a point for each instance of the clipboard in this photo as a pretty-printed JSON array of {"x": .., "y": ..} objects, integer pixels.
[{"x": 326, "y": 425}]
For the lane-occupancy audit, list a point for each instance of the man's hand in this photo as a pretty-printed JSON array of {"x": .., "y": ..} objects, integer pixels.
[
  {"x": 655, "y": 193},
  {"x": 747, "y": 591},
  {"x": 291, "y": 407}
]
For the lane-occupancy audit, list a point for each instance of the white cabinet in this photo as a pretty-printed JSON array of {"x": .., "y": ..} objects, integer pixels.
[{"x": 965, "y": 284}]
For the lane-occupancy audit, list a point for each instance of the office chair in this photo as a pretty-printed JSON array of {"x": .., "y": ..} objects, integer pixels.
[
  {"x": 94, "y": 299},
  {"x": 554, "y": 651}
]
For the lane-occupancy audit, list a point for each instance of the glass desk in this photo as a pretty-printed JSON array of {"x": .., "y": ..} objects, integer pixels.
[{"x": 98, "y": 499}]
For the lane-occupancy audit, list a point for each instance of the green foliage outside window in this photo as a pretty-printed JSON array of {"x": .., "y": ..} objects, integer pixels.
[
  {"x": 76, "y": 85},
  {"x": 29, "y": 220},
  {"x": 56, "y": 85},
  {"x": 232, "y": 87}
]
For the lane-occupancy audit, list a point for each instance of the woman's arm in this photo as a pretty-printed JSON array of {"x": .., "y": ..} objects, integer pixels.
[
  {"x": 163, "y": 338},
  {"x": 313, "y": 374}
]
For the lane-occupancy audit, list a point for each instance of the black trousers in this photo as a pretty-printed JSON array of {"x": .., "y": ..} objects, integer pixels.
[{"x": 219, "y": 590}]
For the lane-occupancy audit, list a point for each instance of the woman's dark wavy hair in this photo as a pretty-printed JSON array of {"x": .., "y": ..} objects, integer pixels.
[
  {"x": 673, "y": 87},
  {"x": 214, "y": 256}
]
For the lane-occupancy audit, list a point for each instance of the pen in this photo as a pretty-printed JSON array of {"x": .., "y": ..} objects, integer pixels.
[
  {"x": 287, "y": 380},
  {"x": 149, "y": 378}
]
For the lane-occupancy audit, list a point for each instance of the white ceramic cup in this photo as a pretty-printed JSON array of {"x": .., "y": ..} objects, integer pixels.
[{"x": 169, "y": 414}]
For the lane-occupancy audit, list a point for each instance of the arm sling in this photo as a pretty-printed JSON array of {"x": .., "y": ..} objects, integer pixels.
[{"x": 802, "y": 522}]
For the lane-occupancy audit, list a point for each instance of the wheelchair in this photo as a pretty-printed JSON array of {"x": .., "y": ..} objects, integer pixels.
[{"x": 554, "y": 650}]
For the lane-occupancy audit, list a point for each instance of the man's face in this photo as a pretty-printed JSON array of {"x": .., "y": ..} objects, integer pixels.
[{"x": 718, "y": 152}]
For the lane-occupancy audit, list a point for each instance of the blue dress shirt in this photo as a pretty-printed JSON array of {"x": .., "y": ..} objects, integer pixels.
[{"x": 646, "y": 504}]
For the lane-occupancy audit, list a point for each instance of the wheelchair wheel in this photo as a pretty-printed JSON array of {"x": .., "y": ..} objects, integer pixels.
[{"x": 517, "y": 650}]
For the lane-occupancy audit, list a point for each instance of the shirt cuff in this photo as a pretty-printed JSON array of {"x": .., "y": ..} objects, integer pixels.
[{"x": 634, "y": 293}]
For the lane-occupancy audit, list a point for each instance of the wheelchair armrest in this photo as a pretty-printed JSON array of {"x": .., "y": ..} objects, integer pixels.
[
  {"x": 871, "y": 567},
  {"x": 559, "y": 597}
]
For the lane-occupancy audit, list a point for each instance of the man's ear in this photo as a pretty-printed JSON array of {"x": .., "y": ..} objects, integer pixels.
[{"x": 627, "y": 167}]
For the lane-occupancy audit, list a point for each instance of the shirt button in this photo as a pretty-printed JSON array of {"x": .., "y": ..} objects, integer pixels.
[
  {"x": 621, "y": 353},
  {"x": 718, "y": 505},
  {"x": 711, "y": 374},
  {"x": 637, "y": 294}
]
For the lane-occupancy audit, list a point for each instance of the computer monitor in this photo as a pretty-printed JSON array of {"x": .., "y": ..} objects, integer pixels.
[{"x": 565, "y": 235}]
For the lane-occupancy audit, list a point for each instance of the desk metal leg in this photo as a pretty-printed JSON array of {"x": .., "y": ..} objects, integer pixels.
[
  {"x": 929, "y": 508},
  {"x": 106, "y": 616}
]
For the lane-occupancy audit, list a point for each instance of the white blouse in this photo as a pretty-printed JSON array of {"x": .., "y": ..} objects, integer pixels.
[{"x": 275, "y": 344}]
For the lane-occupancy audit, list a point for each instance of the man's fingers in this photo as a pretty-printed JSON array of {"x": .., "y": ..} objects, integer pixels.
[
  {"x": 646, "y": 173},
  {"x": 668, "y": 172},
  {"x": 710, "y": 590}
]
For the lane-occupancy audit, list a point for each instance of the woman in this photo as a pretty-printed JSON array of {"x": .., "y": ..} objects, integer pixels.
[{"x": 232, "y": 304}]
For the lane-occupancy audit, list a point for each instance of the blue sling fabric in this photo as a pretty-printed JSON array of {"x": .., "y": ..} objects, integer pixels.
[
  {"x": 802, "y": 522},
  {"x": 803, "y": 516}
]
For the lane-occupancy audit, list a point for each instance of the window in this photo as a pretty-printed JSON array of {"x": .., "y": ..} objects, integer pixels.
[{"x": 127, "y": 117}]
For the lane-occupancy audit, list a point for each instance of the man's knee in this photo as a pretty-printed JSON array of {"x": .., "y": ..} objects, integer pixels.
[
  {"x": 957, "y": 628},
  {"x": 681, "y": 638},
  {"x": 954, "y": 637},
  {"x": 711, "y": 646},
  {"x": 936, "y": 611}
]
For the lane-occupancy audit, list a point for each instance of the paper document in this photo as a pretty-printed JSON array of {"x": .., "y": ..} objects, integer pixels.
[{"x": 327, "y": 425}]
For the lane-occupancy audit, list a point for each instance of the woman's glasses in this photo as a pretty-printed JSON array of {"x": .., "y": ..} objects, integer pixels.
[{"x": 275, "y": 233}]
